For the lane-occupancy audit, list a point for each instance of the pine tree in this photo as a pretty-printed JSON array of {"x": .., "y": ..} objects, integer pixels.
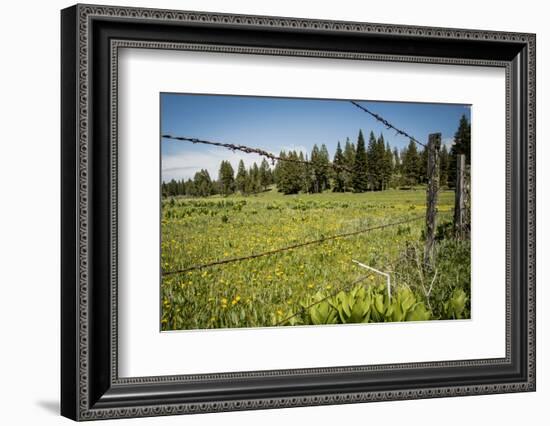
[
  {"x": 202, "y": 183},
  {"x": 290, "y": 175},
  {"x": 190, "y": 188},
  {"x": 254, "y": 179},
  {"x": 396, "y": 161},
  {"x": 443, "y": 166},
  {"x": 461, "y": 145},
  {"x": 307, "y": 174},
  {"x": 339, "y": 179},
  {"x": 360, "y": 179},
  {"x": 349, "y": 158},
  {"x": 182, "y": 187},
  {"x": 325, "y": 168},
  {"x": 226, "y": 177},
  {"x": 171, "y": 188},
  {"x": 410, "y": 164},
  {"x": 381, "y": 162},
  {"x": 372, "y": 161},
  {"x": 278, "y": 168},
  {"x": 241, "y": 180},
  {"x": 265, "y": 174},
  {"x": 316, "y": 167},
  {"x": 388, "y": 166}
]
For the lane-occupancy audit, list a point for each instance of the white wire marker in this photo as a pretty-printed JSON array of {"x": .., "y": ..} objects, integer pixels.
[{"x": 385, "y": 274}]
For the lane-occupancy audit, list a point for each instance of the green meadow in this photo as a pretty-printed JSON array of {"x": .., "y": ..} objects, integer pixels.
[{"x": 317, "y": 283}]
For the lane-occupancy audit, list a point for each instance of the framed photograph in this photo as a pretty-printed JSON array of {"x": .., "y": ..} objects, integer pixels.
[{"x": 263, "y": 212}]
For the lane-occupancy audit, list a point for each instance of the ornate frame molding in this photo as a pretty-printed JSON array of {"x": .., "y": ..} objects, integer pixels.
[{"x": 78, "y": 24}]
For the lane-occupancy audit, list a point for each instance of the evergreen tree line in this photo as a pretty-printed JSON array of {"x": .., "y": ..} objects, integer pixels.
[
  {"x": 251, "y": 181},
  {"x": 372, "y": 166}
]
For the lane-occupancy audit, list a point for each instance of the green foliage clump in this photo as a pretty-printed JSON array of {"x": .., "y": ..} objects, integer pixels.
[{"x": 362, "y": 304}]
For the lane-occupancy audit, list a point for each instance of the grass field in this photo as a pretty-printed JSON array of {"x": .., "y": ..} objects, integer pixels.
[{"x": 267, "y": 290}]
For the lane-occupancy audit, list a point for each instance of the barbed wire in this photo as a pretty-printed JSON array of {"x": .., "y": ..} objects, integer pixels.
[
  {"x": 250, "y": 150},
  {"x": 291, "y": 247},
  {"x": 388, "y": 124}
]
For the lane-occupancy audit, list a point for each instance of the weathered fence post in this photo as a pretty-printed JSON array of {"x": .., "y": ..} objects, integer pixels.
[
  {"x": 434, "y": 144},
  {"x": 460, "y": 198}
]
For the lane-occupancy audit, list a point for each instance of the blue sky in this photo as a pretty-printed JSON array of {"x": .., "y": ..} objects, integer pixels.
[{"x": 274, "y": 124}]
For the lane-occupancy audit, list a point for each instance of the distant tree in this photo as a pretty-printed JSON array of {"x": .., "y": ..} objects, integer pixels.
[
  {"x": 372, "y": 161},
  {"x": 411, "y": 163},
  {"x": 307, "y": 174},
  {"x": 241, "y": 180},
  {"x": 381, "y": 162},
  {"x": 290, "y": 174},
  {"x": 339, "y": 177},
  {"x": 349, "y": 158},
  {"x": 396, "y": 161},
  {"x": 226, "y": 177},
  {"x": 276, "y": 174},
  {"x": 203, "y": 183},
  {"x": 254, "y": 183},
  {"x": 316, "y": 169},
  {"x": 388, "y": 166},
  {"x": 171, "y": 188},
  {"x": 190, "y": 188},
  {"x": 320, "y": 164},
  {"x": 216, "y": 187},
  {"x": 325, "y": 167},
  {"x": 461, "y": 145},
  {"x": 360, "y": 179},
  {"x": 265, "y": 174},
  {"x": 443, "y": 166},
  {"x": 376, "y": 162}
]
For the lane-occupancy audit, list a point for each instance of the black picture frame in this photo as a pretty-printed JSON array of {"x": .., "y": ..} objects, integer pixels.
[{"x": 90, "y": 386}]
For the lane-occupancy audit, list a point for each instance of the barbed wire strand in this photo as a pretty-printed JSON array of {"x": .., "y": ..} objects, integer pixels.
[
  {"x": 388, "y": 124},
  {"x": 291, "y": 247},
  {"x": 250, "y": 150}
]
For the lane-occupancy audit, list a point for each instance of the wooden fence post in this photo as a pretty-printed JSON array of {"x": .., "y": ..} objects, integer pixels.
[
  {"x": 434, "y": 144},
  {"x": 460, "y": 198}
]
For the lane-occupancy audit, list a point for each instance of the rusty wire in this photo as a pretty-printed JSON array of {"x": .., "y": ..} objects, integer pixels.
[
  {"x": 388, "y": 124},
  {"x": 291, "y": 247},
  {"x": 250, "y": 150}
]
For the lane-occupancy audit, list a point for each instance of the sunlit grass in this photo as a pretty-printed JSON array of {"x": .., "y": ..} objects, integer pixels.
[{"x": 262, "y": 291}]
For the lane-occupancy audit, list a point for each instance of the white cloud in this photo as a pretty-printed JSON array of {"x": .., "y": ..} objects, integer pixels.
[{"x": 185, "y": 165}]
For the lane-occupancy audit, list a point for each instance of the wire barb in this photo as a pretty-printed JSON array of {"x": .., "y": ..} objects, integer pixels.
[
  {"x": 250, "y": 150},
  {"x": 388, "y": 124}
]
